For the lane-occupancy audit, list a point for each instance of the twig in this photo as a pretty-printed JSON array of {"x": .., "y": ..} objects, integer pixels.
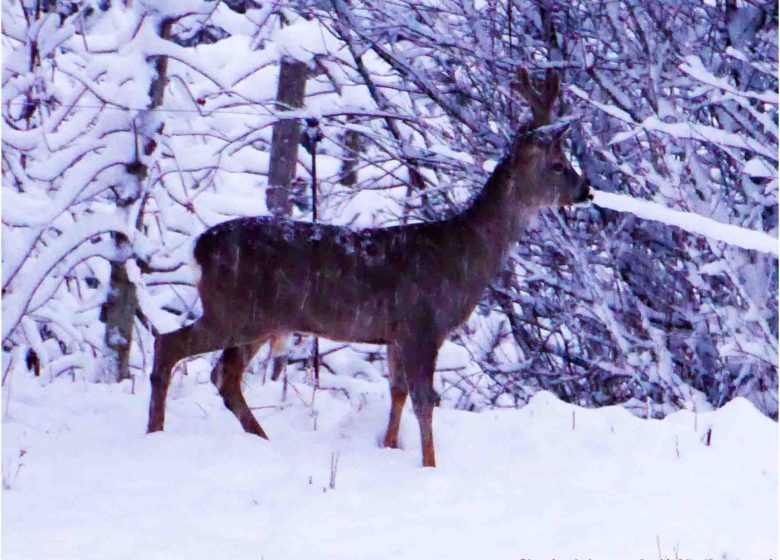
[{"x": 334, "y": 468}]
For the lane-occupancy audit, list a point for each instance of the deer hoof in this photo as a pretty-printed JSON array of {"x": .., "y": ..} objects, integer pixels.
[{"x": 390, "y": 443}]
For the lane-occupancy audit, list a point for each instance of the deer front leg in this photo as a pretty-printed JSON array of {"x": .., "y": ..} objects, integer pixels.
[
  {"x": 419, "y": 363},
  {"x": 227, "y": 374},
  {"x": 398, "y": 393},
  {"x": 169, "y": 348}
]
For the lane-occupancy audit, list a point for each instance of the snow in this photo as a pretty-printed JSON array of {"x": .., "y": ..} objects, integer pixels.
[
  {"x": 67, "y": 249},
  {"x": 694, "y": 67},
  {"x": 78, "y": 468},
  {"x": 758, "y": 168},
  {"x": 689, "y": 221},
  {"x": 303, "y": 40},
  {"x": 446, "y": 151}
]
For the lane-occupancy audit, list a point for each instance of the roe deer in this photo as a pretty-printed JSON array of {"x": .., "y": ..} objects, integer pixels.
[{"x": 406, "y": 286}]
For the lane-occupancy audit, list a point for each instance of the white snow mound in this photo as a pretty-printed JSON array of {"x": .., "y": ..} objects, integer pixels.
[{"x": 82, "y": 480}]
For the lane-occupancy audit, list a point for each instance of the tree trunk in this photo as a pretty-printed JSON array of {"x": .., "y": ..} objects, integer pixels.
[
  {"x": 285, "y": 137},
  {"x": 121, "y": 304},
  {"x": 119, "y": 311},
  {"x": 352, "y": 144},
  {"x": 284, "y": 159}
]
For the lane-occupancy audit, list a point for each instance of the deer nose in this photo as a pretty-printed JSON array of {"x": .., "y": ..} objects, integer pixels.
[{"x": 584, "y": 195}]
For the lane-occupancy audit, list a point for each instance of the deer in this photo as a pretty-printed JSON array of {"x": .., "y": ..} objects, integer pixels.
[{"x": 405, "y": 286}]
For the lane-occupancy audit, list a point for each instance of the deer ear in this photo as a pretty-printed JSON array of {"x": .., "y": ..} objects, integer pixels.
[
  {"x": 558, "y": 138},
  {"x": 564, "y": 132}
]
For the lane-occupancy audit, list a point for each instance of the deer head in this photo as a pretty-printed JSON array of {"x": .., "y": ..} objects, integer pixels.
[{"x": 539, "y": 163}]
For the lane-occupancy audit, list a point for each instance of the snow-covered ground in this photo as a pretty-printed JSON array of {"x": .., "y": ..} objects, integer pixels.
[{"x": 82, "y": 480}]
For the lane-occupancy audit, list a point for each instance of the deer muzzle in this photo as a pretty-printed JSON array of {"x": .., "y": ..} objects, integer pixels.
[{"x": 584, "y": 194}]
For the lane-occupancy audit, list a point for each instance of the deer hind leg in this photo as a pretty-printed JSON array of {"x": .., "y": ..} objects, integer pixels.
[
  {"x": 419, "y": 362},
  {"x": 197, "y": 338},
  {"x": 398, "y": 393},
  {"x": 279, "y": 348},
  {"x": 227, "y": 375}
]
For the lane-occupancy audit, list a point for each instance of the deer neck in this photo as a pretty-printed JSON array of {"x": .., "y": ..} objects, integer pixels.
[{"x": 498, "y": 214}]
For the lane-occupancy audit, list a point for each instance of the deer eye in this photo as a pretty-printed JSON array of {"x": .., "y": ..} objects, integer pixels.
[{"x": 557, "y": 167}]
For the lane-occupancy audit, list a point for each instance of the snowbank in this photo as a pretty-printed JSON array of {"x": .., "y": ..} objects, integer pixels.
[{"x": 82, "y": 480}]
